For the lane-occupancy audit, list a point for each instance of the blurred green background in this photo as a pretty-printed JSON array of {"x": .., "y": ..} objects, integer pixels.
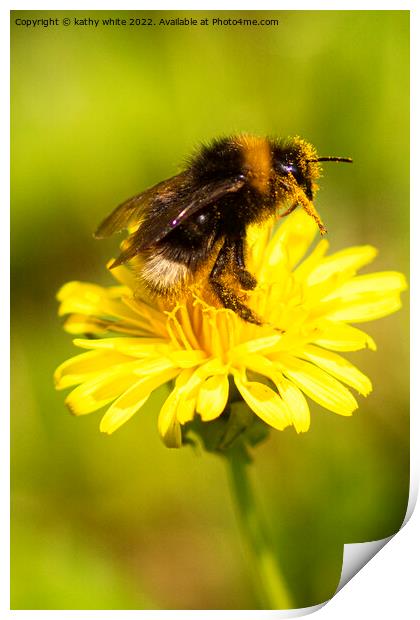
[{"x": 98, "y": 114}]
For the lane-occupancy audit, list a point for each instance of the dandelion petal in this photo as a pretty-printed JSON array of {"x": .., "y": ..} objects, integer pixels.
[
  {"x": 212, "y": 397},
  {"x": 339, "y": 336},
  {"x": 168, "y": 425},
  {"x": 297, "y": 404},
  {"x": 98, "y": 392},
  {"x": 264, "y": 402},
  {"x": 366, "y": 309},
  {"x": 349, "y": 259},
  {"x": 86, "y": 365},
  {"x": 319, "y": 385},
  {"x": 123, "y": 408},
  {"x": 383, "y": 283},
  {"x": 338, "y": 367}
]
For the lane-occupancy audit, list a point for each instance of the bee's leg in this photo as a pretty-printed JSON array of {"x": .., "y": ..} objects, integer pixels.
[
  {"x": 226, "y": 295},
  {"x": 289, "y": 210},
  {"x": 246, "y": 279},
  {"x": 308, "y": 206}
]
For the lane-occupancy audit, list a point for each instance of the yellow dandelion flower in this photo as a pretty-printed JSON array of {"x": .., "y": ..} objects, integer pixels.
[{"x": 308, "y": 305}]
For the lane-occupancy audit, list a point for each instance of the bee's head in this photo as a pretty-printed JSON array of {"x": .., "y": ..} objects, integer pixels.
[{"x": 300, "y": 159}]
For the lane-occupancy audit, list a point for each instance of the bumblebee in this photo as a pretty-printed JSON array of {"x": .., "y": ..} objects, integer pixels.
[{"x": 198, "y": 219}]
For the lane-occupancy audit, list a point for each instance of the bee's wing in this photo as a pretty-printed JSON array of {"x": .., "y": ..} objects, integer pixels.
[
  {"x": 131, "y": 212},
  {"x": 167, "y": 214}
]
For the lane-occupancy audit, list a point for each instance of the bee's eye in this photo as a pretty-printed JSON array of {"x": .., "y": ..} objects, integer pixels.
[
  {"x": 286, "y": 167},
  {"x": 290, "y": 168}
]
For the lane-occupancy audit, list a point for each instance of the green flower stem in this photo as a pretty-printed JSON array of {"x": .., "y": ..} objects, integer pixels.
[{"x": 268, "y": 578}]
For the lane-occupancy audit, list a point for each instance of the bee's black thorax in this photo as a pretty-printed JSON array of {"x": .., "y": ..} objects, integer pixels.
[
  {"x": 239, "y": 156},
  {"x": 192, "y": 242},
  {"x": 218, "y": 160}
]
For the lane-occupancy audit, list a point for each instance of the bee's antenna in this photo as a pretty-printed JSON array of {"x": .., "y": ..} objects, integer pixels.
[{"x": 347, "y": 160}]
